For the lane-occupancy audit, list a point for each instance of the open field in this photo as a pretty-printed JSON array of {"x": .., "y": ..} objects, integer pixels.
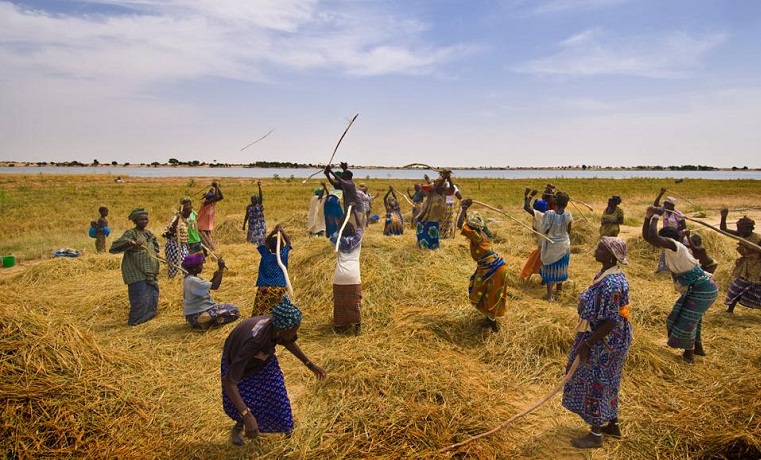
[{"x": 78, "y": 382}]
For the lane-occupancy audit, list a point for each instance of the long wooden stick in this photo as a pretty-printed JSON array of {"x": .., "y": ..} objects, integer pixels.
[
  {"x": 213, "y": 254},
  {"x": 249, "y": 145},
  {"x": 572, "y": 200},
  {"x": 346, "y": 221},
  {"x": 282, "y": 267},
  {"x": 583, "y": 217},
  {"x": 334, "y": 150},
  {"x": 511, "y": 217},
  {"x": 531, "y": 409},
  {"x": 741, "y": 240},
  {"x": 685, "y": 199}
]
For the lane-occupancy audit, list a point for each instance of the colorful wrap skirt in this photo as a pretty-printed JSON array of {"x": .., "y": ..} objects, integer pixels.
[
  {"x": 266, "y": 396},
  {"x": 333, "y": 215},
  {"x": 745, "y": 292},
  {"x": 347, "y": 304},
  {"x": 257, "y": 231},
  {"x": 487, "y": 289},
  {"x": 557, "y": 271},
  {"x": 684, "y": 323},
  {"x": 394, "y": 223},
  {"x": 447, "y": 223},
  {"x": 532, "y": 266},
  {"x": 215, "y": 316},
  {"x": 428, "y": 235},
  {"x": 175, "y": 254},
  {"x": 267, "y": 297}
]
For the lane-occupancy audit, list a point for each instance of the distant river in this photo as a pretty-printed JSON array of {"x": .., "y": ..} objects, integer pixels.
[{"x": 379, "y": 173}]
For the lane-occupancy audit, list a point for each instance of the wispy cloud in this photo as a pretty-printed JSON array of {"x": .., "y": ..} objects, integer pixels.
[
  {"x": 562, "y": 6},
  {"x": 595, "y": 52}
]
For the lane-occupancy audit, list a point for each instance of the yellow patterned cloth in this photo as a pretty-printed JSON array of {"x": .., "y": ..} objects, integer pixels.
[{"x": 487, "y": 289}]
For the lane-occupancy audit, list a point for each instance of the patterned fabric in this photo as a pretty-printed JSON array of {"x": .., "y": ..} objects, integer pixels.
[
  {"x": 138, "y": 264},
  {"x": 609, "y": 222},
  {"x": 143, "y": 301},
  {"x": 532, "y": 266},
  {"x": 257, "y": 227},
  {"x": 266, "y": 298},
  {"x": 447, "y": 223},
  {"x": 555, "y": 227},
  {"x": 215, "y": 316},
  {"x": 487, "y": 289},
  {"x": 394, "y": 223},
  {"x": 592, "y": 392},
  {"x": 748, "y": 265},
  {"x": 266, "y": 396},
  {"x": 174, "y": 255},
  {"x": 428, "y": 235},
  {"x": 347, "y": 304},
  {"x": 333, "y": 215},
  {"x": 286, "y": 315},
  {"x": 556, "y": 272},
  {"x": 684, "y": 323},
  {"x": 270, "y": 273},
  {"x": 747, "y": 293}
]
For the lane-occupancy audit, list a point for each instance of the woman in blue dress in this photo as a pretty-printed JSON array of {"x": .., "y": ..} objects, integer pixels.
[
  {"x": 602, "y": 341},
  {"x": 556, "y": 253}
]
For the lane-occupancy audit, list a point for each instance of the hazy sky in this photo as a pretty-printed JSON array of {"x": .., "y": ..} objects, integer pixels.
[{"x": 443, "y": 82}]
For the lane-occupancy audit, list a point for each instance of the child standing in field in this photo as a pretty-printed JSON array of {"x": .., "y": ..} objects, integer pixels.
[
  {"x": 101, "y": 230},
  {"x": 257, "y": 227}
]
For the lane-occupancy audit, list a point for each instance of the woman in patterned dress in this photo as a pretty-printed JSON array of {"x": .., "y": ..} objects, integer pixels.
[
  {"x": 394, "y": 220},
  {"x": 271, "y": 286},
  {"x": 602, "y": 341},
  {"x": 257, "y": 228},
  {"x": 176, "y": 234},
  {"x": 612, "y": 217},
  {"x": 556, "y": 254}
]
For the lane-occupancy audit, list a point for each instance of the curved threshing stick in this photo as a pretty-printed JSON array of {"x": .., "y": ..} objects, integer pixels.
[
  {"x": 334, "y": 150},
  {"x": 282, "y": 267}
]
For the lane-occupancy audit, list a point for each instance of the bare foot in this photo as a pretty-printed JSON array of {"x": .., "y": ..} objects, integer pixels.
[{"x": 590, "y": 441}]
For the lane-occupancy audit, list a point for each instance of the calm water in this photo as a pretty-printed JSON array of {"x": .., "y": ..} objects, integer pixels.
[{"x": 379, "y": 173}]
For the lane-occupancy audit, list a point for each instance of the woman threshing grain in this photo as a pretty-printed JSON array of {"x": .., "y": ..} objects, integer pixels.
[
  {"x": 257, "y": 228},
  {"x": 537, "y": 210},
  {"x": 698, "y": 290},
  {"x": 672, "y": 218},
  {"x": 556, "y": 254},
  {"x": 612, "y": 217},
  {"x": 487, "y": 290},
  {"x": 199, "y": 308},
  {"x": 333, "y": 210},
  {"x": 448, "y": 223},
  {"x": 206, "y": 214},
  {"x": 344, "y": 182},
  {"x": 394, "y": 220},
  {"x": 140, "y": 267},
  {"x": 432, "y": 212},
  {"x": 746, "y": 277},
  {"x": 253, "y": 386},
  {"x": 347, "y": 281},
  {"x": 602, "y": 341},
  {"x": 270, "y": 283},
  {"x": 316, "y": 212},
  {"x": 417, "y": 203},
  {"x": 176, "y": 234}
]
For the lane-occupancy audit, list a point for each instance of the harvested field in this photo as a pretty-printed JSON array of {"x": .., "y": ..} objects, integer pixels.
[{"x": 78, "y": 382}]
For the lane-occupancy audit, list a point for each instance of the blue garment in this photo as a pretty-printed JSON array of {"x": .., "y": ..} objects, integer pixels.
[
  {"x": 270, "y": 273},
  {"x": 333, "y": 215}
]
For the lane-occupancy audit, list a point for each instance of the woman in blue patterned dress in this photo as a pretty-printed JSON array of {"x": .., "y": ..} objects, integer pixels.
[
  {"x": 257, "y": 228},
  {"x": 603, "y": 336}
]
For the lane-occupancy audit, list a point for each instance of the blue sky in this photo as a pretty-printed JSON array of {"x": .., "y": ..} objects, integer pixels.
[{"x": 447, "y": 83}]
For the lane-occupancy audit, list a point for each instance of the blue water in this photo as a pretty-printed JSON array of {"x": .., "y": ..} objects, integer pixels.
[{"x": 379, "y": 173}]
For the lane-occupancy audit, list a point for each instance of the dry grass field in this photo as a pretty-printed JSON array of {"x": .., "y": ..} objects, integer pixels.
[{"x": 77, "y": 382}]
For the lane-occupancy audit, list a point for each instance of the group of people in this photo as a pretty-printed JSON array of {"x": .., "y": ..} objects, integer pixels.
[{"x": 254, "y": 393}]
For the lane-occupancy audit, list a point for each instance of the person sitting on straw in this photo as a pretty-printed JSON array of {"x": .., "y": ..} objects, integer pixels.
[
  {"x": 140, "y": 267},
  {"x": 612, "y": 217},
  {"x": 602, "y": 341},
  {"x": 257, "y": 228},
  {"x": 537, "y": 210},
  {"x": 271, "y": 286},
  {"x": 176, "y": 234},
  {"x": 487, "y": 290},
  {"x": 206, "y": 214},
  {"x": 746, "y": 276},
  {"x": 671, "y": 219},
  {"x": 556, "y": 254},
  {"x": 253, "y": 386},
  {"x": 199, "y": 308},
  {"x": 698, "y": 290},
  {"x": 394, "y": 221},
  {"x": 347, "y": 280}
]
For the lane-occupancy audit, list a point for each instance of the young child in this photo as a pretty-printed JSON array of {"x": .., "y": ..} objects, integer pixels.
[
  {"x": 257, "y": 227},
  {"x": 101, "y": 230}
]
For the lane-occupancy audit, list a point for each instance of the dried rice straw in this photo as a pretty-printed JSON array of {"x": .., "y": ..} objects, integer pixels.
[
  {"x": 513, "y": 218},
  {"x": 741, "y": 240}
]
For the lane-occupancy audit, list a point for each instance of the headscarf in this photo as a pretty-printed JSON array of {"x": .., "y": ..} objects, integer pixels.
[
  {"x": 137, "y": 212},
  {"x": 475, "y": 221},
  {"x": 192, "y": 260},
  {"x": 362, "y": 186},
  {"x": 540, "y": 205},
  {"x": 617, "y": 247},
  {"x": 616, "y": 199},
  {"x": 286, "y": 315},
  {"x": 318, "y": 191},
  {"x": 671, "y": 199}
]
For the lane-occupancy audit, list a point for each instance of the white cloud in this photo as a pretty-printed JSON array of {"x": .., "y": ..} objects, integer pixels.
[
  {"x": 562, "y": 6},
  {"x": 594, "y": 52}
]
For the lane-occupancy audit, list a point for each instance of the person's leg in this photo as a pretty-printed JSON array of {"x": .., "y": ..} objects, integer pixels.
[
  {"x": 612, "y": 429},
  {"x": 142, "y": 299},
  {"x": 550, "y": 293},
  {"x": 590, "y": 440}
]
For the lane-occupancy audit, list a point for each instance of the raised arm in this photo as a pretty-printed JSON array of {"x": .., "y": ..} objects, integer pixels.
[
  {"x": 657, "y": 201},
  {"x": 650, "y": 229},
  {"x": 527, "y": 201},
  {"x": 723, "y": 224},
  {"x": 464, "y": 205},
  {"x": 218, "y": 193},
  {"x": 333, "y": 180},
  {"x": 259, "y": 186}
]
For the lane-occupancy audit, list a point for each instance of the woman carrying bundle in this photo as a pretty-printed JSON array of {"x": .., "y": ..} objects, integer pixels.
[
  {"x": 487, "y": 290},
  {"x": 271, "y": 286},
  {"x": 556, "y": 254},
  {"x": 253, "y": 386},
  {"x": 257, "y": 228},
  {"x": 698, "y": 290},
  {"x": 394, "y": 220},
  {"x": 602, "y": 341},
  {"x": 199, "y": 308}
]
